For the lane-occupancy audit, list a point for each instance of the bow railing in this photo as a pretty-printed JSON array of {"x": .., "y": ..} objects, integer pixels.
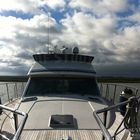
[
  {"x": 18, "y": 127},
  {"x": 111, "y": 92}
]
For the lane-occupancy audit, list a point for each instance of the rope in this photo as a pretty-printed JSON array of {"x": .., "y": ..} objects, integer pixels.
[{"x": 131, "y": 116}]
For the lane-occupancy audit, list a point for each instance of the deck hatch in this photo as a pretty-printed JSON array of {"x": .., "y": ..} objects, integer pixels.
[{"x": 62, "y": 121}]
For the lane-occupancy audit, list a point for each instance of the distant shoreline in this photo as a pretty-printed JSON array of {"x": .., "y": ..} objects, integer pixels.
[
  {"x": 118, "y": 79},
  {"x": 13, "y": 78},
  {"x": 99, "y": 79}
]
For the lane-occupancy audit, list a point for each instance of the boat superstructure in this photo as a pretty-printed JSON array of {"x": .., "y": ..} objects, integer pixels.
[{"x": 62, "y": 100}]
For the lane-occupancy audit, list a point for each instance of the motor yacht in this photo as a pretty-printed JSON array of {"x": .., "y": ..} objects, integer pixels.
[{"x": 63, "y": 101}]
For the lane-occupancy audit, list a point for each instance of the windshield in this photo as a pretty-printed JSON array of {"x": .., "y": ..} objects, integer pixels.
[{"x": 43, "y": 85}]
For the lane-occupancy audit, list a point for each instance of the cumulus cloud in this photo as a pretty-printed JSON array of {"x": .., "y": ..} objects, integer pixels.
[
  {"x": 85, "y": 28},
  {"x": 21, "y": 38},
  {"x": 127, "y": 43},
  {"x": 101, "y": 37},
  {"x": 135, "y": 17},
  {"x": 55, "y": 3},
  {"x": 91, "y": 34},
  {"x": 100, "y": 7},
  {"x": 93, "y": 25},
  {"x": 27, "y": 6}
]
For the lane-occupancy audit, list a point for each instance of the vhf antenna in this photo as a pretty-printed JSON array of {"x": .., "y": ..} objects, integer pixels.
[{"x": 48, "y": 28}]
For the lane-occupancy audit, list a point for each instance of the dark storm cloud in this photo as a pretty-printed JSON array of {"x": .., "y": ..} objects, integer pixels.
[
  {"x": 134, "y": 54},
  {"x": 13, "y": 71},
  {"x": 123, "y": 69},
  {"x": 24, "y": 55}
]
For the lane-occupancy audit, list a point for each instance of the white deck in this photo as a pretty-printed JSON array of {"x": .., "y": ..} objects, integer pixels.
[
  {"x": 37, "y": 125},
  {"x": 42, "y": 109}
]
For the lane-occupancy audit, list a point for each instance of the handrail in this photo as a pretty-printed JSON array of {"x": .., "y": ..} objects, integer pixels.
[
  {"x": 104, "y": 130},
  {"x": 112, "y": 107},
  {"x": 21, "y": 126},
  {"x": 11, "y": 90},
  {"x": 111, "y": 91},
  {"x": 121, "y": 85}
]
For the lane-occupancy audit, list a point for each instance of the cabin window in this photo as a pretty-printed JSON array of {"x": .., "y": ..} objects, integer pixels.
[{"x": 46, "y": 85}]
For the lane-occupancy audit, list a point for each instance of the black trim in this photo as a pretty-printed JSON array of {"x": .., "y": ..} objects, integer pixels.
[
  {"x": 64, "y": 57},
  {"x": 62, "y": 70}
]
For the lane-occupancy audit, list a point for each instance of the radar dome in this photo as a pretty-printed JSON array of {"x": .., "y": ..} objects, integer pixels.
[{"x": 75, "y": 50}]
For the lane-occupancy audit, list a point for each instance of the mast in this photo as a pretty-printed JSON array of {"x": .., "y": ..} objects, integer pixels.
[{"x": 48, "y": 29}]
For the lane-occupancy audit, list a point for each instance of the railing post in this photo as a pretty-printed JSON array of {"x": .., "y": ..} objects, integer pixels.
[
  {"x": 1, "y": 108},
  {"x": 136, "y": 92},
  {"x": 22, "y": 87},
  {"x": 114, "y": 95},
  {"x": 16, "y": 92},
  {"x": 101, "y": 89},
  {"x": 15, "y": 121},
  {"x": 105, "y": 121},
  {"x": 107, "y": 91},
  {"x": 7, "y": 92}
]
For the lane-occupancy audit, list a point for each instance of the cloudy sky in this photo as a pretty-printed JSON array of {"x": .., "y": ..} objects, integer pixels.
[{"x": 107, "y": 29}]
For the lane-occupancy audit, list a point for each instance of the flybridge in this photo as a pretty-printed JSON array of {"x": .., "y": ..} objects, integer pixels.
[
  {"x": 63, "y": 62},
  {"x": 63, "y": 57}
]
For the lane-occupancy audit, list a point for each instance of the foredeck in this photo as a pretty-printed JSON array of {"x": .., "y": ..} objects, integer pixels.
[
  {"x": 79, "y": 134},
  {"x": 61, "y": 135},
  {"x": 82, "y": 110},
  {"x": 80, "y": 107},
  {"x": 63, "y": 106}
]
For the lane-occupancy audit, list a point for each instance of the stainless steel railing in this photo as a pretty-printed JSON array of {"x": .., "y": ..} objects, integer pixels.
[
  {"x": 18, "y": 127},
  {"x": 111, "y": 92},
  {"x": 102, "y": 124},
  {"x": 11, "y": 90},
  {"x": 8, "y": 92}
]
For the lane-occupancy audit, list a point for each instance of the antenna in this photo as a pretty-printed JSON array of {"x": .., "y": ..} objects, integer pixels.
[
  {"x": 48, "y": 29},
  {"x": 64, "y": 49}
]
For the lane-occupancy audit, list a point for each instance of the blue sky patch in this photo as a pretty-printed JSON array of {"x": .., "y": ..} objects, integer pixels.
[
  {"x": 16, "y": 14},
  {"x": 135, "y": 3},
  {"x": 124, "y": 13},
  {"x": 58, "y": 15},
  {"x": 125, "y": 23}
]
